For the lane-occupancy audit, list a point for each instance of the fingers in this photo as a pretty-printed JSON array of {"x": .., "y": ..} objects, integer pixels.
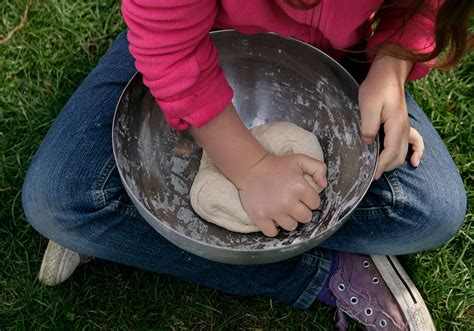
[
  {"x": 418, "y": 147},
  {"x": 281, "y": 193},
  {"x": 395, "y": 146},
  {"x": 370, "y": 113},
  {"x": 287, "y": 222},
  {"x": 301, "y": 212},
  {"x": 267, "y": 226},
  {"x": 314, "y": 168},
  {"x": 386, "y": 158},
  {"x": 311, "y": 199}
]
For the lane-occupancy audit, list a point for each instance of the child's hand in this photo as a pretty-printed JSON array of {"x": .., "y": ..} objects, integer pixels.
[
  {"x": 382, "y": 101},
  {"x": 274, "y": 191},
  {"x": 272, "y": 188},
  {"x": 418, "y": 146}
]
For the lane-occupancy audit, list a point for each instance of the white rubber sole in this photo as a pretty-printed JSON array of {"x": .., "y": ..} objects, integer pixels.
[
  {"x": 409, "y": 299},
  {"x": 58, "y": 264}
]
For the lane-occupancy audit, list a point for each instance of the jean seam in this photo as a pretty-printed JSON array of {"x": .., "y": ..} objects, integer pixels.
[
  {"x": 100, "y": 195},
  {"x": 98, "y": 192},
  {"x": 397, "y": 193},
  {"x": 122, "y": 208},
  {"x": 396, "y": 204},
  {"x": 322, "y": 265}
]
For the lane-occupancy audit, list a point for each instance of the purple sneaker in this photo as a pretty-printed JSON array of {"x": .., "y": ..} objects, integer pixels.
[{"x": 376, "y": 292}]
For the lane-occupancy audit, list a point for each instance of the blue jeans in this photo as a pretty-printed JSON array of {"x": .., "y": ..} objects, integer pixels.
[{"x": 73, "y": 195}]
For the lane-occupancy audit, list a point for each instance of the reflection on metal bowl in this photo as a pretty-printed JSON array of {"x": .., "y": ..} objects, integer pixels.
[{"x": 274, "y": 79}]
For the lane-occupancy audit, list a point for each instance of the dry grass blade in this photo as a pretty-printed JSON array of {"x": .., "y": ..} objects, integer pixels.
[{"x": 4, "y": 40}]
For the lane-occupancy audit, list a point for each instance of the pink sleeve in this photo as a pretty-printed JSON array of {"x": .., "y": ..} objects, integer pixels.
[
  {"x": 169, "y": 40},
  {"x": 417, "y": 35}
]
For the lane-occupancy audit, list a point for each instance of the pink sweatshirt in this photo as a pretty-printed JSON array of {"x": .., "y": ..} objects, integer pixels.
[{"x": 170, "y": 43}]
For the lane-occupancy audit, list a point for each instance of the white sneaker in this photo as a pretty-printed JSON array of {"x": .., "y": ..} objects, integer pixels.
[{"x": 59, "y": 264}]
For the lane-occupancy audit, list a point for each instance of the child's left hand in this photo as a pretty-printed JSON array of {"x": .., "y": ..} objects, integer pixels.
[
  {"x": 417, "y": 145},
  {"x": 382, "y": 102}
]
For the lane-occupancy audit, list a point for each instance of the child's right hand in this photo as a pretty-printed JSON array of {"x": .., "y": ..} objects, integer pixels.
[{"x": 274, "y": 190}]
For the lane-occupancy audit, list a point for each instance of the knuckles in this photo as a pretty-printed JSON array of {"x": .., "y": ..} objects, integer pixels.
[
  {"x": 298, "y": 188},
  {"x": 302, "y": 215},
  {"x": 399, "y": 161},
  {"x": 315, "y": 204}
]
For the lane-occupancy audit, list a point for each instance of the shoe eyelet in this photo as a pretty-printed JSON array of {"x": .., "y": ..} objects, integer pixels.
[
  {"x": 354, "y": 300},
  {"x": 341, "y": 287},
  {"x": 383, "y": 323},
  {"x": 369, "y": 311},
  {"x": 366, "y": 264},
  {"x": 375, "y": 280}
]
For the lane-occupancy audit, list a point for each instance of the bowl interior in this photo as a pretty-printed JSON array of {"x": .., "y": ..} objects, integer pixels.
[{"x": 274, "y": 79}]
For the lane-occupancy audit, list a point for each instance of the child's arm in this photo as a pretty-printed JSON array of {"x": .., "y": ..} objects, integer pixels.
[
  {"x": 170, "y": 42},
  {"x": 172, "y": 49},
  {"x": 272, "y": 188},
  {"x": 381, "y": 95}
]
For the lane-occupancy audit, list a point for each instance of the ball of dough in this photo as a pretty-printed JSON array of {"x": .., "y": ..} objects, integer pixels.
[{"x": 216, "y": 199}]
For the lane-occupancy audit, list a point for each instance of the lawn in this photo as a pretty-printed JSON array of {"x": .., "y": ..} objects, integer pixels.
[{"x": 40, "y": 66}]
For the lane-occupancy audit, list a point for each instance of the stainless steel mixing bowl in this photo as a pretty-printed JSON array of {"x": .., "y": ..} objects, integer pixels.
[{"x": 274, "y": 79}]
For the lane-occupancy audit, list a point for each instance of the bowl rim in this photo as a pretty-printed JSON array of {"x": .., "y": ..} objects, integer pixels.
[{"x": 227, "y": 249}]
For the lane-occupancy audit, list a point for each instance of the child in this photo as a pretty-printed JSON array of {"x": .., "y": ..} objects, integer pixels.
[{"x": 73, "y": 194}]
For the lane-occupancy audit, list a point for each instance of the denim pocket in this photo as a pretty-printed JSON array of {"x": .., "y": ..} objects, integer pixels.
[
  {"x": 109, "y": 189},
  {"x": 383, "y": 197}
]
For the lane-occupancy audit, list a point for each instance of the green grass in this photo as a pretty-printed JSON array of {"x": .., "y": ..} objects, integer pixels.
[{"x": 40, "y": 66}]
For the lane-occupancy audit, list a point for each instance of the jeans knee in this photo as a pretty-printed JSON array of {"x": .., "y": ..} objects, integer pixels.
[
  {"x": 37, "y": 205},
  {"x": 44, "y": 200},
  {"x": 444, "y": 212}
]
